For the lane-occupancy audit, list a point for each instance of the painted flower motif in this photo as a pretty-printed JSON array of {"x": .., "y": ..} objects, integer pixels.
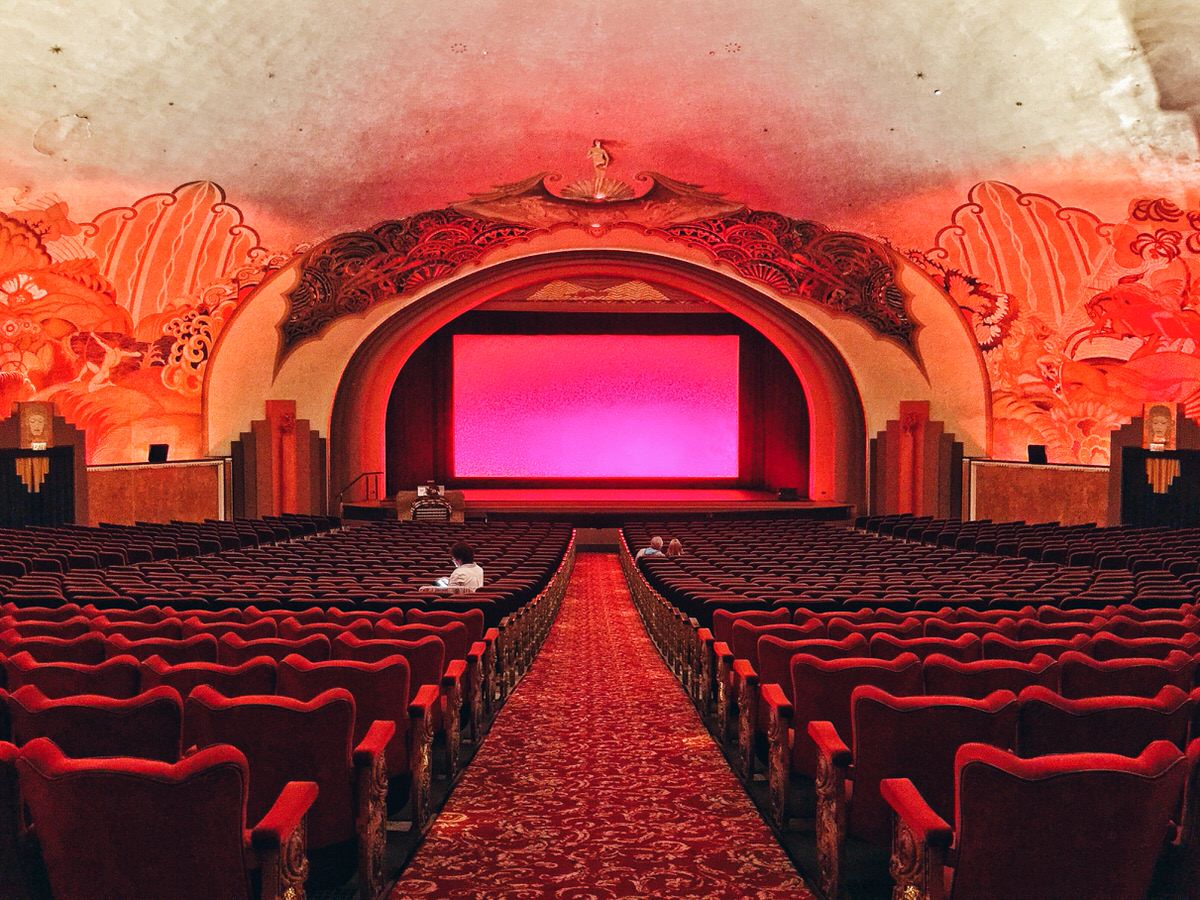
[
  {"x": 1156, "y": 210},
  {"x": 20, "y": 289},
  {"x": 1163, "y": 244}
]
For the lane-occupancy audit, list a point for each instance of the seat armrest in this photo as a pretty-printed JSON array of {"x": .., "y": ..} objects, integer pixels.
[
  {"x": 916, "y": 814},
  {"x": 776, "y": 700},
  {"x": 722, "y": 652},
  {"x": 454, "y": 672},
  {"x": 284, "y": 816},
  {"x": 475, "y": 654},
  {"x": 423, "y": 703},
  {"x": 491, "y": 636},
  {"x": 829, "y": 743},
  {"x": 704, "y": 635},
  {"x": 374, "y": 742},
  {"x": 743, "y": 671}
]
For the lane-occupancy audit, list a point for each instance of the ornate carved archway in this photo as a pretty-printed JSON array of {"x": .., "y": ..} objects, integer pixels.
[{"x": 863, "y": 328}]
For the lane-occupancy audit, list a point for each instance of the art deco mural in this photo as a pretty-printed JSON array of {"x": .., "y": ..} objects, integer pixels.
[
  {"x": 1081, "y": 322},
  {"x": 112, "y": 319}
]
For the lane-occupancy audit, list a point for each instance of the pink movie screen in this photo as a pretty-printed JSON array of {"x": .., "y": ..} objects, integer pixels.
[{"x": 595, "y": 406}]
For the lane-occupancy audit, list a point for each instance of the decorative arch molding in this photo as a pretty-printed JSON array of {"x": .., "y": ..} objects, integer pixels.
[
  {"x": 352, "y": 272},
  {"x": 855, "y": 377}
]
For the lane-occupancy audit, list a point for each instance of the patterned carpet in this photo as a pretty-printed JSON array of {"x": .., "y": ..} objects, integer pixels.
[{"x": 598, "y": 780}]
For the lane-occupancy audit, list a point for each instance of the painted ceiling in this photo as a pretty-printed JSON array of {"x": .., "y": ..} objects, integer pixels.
[{"x": 862, "y": 114}]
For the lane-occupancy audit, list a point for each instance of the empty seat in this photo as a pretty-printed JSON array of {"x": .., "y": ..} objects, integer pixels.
[
  {"x": 1082, "y": 676},
  {"x": 288, "y": 740},
  {"x": 115, "y": 677},
  {"x": 1051, "y": 723},
  {"x": 159, "y": 830},
  {"x": 254, "y": 676},
  {"x": 234, "y": 650},
  {"x": 950, "y": 677},
  {"x": 146, "y": 725},
  {"x": 199, "y": 648},
  {"x": 1054, "y": 836},
  {"x": 890, "y": 737}
]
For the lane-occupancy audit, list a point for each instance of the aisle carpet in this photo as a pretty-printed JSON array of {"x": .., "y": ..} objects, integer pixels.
[{"x": 598, "y": 780}]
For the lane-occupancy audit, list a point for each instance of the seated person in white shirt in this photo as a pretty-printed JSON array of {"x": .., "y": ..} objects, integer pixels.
[
  {"x": 466, "y": 577},
  {"x": 655, "y": 548}
]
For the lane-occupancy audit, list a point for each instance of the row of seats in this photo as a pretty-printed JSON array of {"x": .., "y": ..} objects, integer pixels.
[
  {"x": 423, "y": 680},
  {"x": 67, "y": 548},
  {"x": 780, "y": 681},
  {"x": 1174, "y": 550}
]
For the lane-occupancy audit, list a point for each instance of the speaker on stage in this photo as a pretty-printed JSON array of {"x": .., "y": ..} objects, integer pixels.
[
  {"x": 788, "y": 493},
  {"x": 158, "y": 453},
  {"x": 1037, "y": 454}
]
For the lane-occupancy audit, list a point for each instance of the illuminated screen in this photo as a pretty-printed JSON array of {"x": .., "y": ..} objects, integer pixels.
[{"x": 595, "y": 406}]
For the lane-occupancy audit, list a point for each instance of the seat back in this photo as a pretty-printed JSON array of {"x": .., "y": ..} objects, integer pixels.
[
  {"x": 294, "y": 629},
  {"x": 821, "y": 691},
  {"x": 775, "y": 656},
  {"x": 88, "y": 649},
  {"x": 426, "y": 657},
  {"x": 285, "y": 740},
  {"x": 380, "y": 690},
  {"x": 917, "y": 738},
  {"x": 1075, "y": 825},
  {"x": 115, "y": 677},
  {"x": 255, "y": 676},
  {"x": 452, "y": 634},
  {"x": 135, "y": 828},
  {"x": 998, "y": 646},
  {"x": 146, "y": 725},
  {"x": 234, "y": 651},
  {"x": 198, "y": 648},
  {"x": 1082, "y": 676},
  {"x": 964, "y": 648},
  {"x": 263, "y": 628},
  {"x": 745, "y": 636},
  {"x": 473, "y": 619},
  {"x": 1051, "y": 723},
  {"x": 839, "y": 628},
  {"x": 723, "y": 619},
  {"x": 1108, "y": 646},
  {"x": 949, "y": 677}
]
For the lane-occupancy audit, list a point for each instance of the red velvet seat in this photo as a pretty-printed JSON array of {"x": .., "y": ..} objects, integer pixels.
[
  {"x": 964, "y": 648},
  {"x": 87, "y": 649},
  {"x": 939, "y": 628},
  {"x": 821, "y": 691},
  {"x": 233, "y": 650},
  {"x": 140, "y": 631},
  {"x": 255, "y": 676},
  {"x": 293, "y": 629},
  {"x": 63, "y": 628},
  {"x": 1051, "y": 723},
  {"x": 1108, "y": 646},
  {"x": 1127, "y": 627},
  {"x": 997, "y": 646},
  {"x": 249, "y": 631},
  {"x": 182, "y": 829},
  {"x": 949, "y": 677},
  {"x": 1035, "y": 630},
  {"x": 723, "y": 619},
  {"x": 115, "y": 677},
  {"x": 200, "y": 648},
  {"x": 891, "y": 737},
  {"x": 473, "y": 619},
  {"x": 1082, "y": 676},
  {"x": 146, "y": 725},
  {"x": 839, "y": 628},
  {"x": 1075, "y": 825},
  {"x": 291, "y": 740}
]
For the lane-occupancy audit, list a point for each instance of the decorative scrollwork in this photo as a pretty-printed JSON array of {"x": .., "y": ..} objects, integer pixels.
[
  {"x": 372, "y": 830},
  {"x": 777, "y": 769},
  {"x": 831, "y": 824},
  {"x": 848, "y": 273}
]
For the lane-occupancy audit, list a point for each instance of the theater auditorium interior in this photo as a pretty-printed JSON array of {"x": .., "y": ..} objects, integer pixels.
[{"x": 509, "y": 449}]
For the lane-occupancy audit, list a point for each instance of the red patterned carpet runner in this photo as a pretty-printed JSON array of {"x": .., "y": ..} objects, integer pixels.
[{"x": 598, "y": 780}]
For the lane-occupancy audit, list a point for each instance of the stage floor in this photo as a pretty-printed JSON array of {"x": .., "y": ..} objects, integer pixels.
[{"x": 613, "y": 504}]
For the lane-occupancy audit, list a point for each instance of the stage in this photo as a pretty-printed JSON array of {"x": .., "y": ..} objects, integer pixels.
[{"x": 607, "y": 507}]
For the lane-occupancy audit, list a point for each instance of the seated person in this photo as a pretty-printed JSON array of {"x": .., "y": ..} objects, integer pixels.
[
  {"x": 655, "y": 548},
  {"x": 466, "y": 577},
  {"x": 675, "y": 548}
]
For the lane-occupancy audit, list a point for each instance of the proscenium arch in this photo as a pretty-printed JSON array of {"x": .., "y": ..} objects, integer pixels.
[{"x": 837, "y": 423}]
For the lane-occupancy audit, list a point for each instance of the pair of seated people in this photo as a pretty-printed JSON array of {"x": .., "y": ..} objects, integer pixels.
[
  {"x": 674, "y": 549},
  {"x": 467, "y": 576}
]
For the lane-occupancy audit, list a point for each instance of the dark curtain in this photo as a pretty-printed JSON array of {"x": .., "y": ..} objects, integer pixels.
[
  {"x": 1178, "y": 507},
  {"x": 52, "y": 504}
]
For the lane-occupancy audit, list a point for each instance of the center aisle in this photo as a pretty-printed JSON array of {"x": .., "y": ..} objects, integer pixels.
[{"x": 598, "y": 779}]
